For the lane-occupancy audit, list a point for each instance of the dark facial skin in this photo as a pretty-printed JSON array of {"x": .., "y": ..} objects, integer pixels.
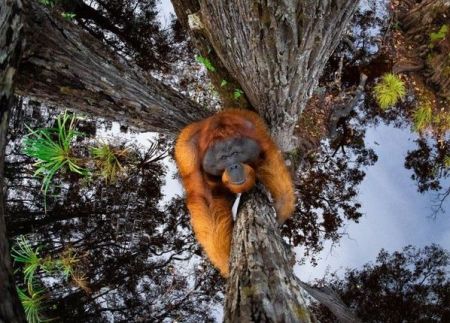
[{"x": 230, "y": 154}]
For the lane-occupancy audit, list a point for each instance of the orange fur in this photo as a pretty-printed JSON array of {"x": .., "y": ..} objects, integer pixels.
[
  {"x": 240, "y": 188},
  {"x": 209, "y": 202}
]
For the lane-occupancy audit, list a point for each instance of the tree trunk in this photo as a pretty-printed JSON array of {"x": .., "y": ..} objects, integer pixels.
[
  {"x": 262, "y": 286},
  {"x": 63, "y": 65},
  {"x": 276, "y": 50},
  {"x": 11, "y": 42}
]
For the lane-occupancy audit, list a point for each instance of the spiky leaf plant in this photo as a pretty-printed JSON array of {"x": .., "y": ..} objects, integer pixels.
[
  {"x": 389, "y": 90},
  {"x": 52, "y": 149},
  {"x": 23, "y": 252},
  {"x": 107, "y": 160},
  {"x": 67, "y": 262},
  {"x": 32, "y": 304},
  {"x": 81, "y": 281}
]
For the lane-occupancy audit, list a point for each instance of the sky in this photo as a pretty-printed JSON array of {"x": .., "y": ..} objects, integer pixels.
[
  {"x": 395, "y": 214},
  {"x": 165, "y": 9}
]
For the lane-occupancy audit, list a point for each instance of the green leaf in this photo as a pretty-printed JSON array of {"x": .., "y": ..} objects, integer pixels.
[
  {"x": 48, "y": 3},
  {"x": 22, "y": 252},
  {"x": 107, "y": 160},
  {"x": 68, "y": 15},
  {"x": 447, "y": 161},
  {"x": 423, "y": 116},
  {"x": 237, "y": 94},
  {"x": 205, "y": 62},
  {"x": 440, "y": 34}
]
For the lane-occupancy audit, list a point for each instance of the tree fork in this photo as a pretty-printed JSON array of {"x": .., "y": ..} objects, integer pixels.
[{"x": 276, "y": 50}]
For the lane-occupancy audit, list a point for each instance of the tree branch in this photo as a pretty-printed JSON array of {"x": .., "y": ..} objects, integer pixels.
[
  {"x": 344, "y": 110},
  {"x": 327, "y": 297}
]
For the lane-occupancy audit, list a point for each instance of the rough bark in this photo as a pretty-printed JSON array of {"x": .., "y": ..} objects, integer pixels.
[
  {"x": 262, "y": 286},
  {"x": 11, "y": 42},
  {"x": 276, "y": 50},
  {"x": 64, "y": 66}
]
